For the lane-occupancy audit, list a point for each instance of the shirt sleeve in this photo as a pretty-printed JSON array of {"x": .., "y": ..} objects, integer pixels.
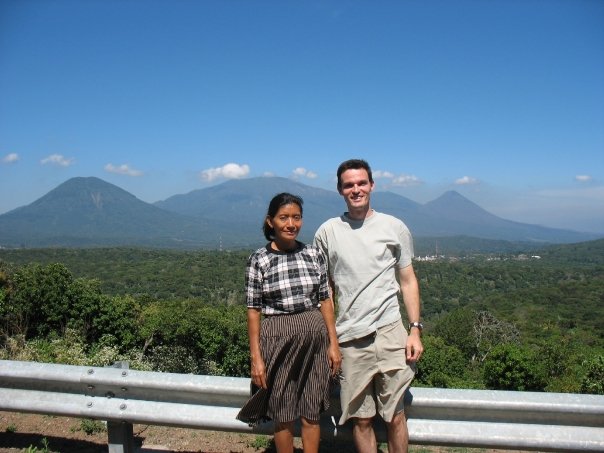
[
  {"x": 323, "y": 282},
  {"x": 253, "y": 283},
  {"x": 406, "y": 246},
  {"x": 320, "y": 243}
]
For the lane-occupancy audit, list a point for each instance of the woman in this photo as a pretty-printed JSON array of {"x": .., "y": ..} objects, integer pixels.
[{"x": 294, "y": 350}]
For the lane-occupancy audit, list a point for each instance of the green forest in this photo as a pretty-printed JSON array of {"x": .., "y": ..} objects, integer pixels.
[{"x": 531, "y": 321}]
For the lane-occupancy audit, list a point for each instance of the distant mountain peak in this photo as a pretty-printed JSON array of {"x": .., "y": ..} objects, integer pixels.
[
  {"x": 89, "y": 182},
  {"x": 450, "y": 195},
  {"x": 86, "y": 211},
  {"x": 90, "y": 193},
  {"x": 456, "y": 204}
]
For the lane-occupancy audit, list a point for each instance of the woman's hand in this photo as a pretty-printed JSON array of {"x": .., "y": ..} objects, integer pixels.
[
  {"x": 335, "y": 358},
  {"x": 258, "y": 373}
]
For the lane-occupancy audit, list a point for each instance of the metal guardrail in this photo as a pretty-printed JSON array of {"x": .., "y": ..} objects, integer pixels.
[{"x": 447, "y": 417}]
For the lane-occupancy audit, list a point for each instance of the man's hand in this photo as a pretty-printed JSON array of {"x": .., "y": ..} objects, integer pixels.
[{"x": 415, "y": 348}]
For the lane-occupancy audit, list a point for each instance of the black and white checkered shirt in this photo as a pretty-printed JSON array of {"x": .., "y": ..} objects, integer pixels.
[{"x": 286, "y": 282}]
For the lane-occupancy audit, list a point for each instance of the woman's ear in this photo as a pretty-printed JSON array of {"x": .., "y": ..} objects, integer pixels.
[{"x": 268, "y": 221}]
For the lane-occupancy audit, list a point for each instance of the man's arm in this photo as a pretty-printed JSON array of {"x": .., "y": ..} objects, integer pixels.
[{"x": 410, "y": 292}]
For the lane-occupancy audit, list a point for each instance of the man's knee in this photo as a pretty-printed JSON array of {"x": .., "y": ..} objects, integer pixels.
[
  {"x": 398, "y": 419},
  {"x": 363, "y": 423}
]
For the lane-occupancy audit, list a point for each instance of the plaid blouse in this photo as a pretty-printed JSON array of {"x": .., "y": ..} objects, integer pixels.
[{"x": 286, "y": 282}]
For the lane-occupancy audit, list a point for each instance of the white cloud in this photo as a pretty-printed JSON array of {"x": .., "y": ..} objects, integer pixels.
[
  {"x": 57, "y": 159},
  {"x": 10, "y": 158},
  {"x": 382, "y": 174},
  {"x": 123, "y": 169},
  {"x": 406, "y": 180},
  {"x": 466, "y": 181},
  {"x": 228, "y": 171},
  {"x": 401, "y": 180},
  {"x": 301, "y": 171},
  {"x": 583, "y": 178}
]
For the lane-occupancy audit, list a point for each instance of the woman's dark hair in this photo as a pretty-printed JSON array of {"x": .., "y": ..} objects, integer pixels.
[
  {"x": 353, "y": 164},
  {"x": 278, "y": 200}
]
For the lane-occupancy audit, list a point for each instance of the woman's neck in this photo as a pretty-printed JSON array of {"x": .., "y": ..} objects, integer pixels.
[{"x": 284, "y": 246}]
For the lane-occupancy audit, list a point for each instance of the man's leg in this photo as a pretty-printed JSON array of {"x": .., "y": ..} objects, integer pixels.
[
  {"x": 357, "y": 391},
  {"x": 363, "y": 435},
  {"x": 392, "y": 385},
  {"x": 398, "y": 434}
]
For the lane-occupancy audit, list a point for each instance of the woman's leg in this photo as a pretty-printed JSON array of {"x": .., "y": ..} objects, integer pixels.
[
  {"x": 311, "y": 435},
  {"x": 284, "y": 437}
]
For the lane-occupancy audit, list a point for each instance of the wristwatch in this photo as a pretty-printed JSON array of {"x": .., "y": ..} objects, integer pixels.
[{"x": 417, "y": 324}]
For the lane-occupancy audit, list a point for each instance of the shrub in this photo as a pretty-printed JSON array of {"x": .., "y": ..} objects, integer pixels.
[
  {"x": 593, "y": 380},
  {"x": 90, "y": 426},
  {"x": 513, "y": 367},
  {"x": 441, "y": 365}
]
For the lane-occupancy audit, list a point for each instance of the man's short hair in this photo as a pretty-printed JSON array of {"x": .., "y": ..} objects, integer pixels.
[{"x": 353, "y": 164}]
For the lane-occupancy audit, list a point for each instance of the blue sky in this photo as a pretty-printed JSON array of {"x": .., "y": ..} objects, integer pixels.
[{"x": 502, "y": 101}]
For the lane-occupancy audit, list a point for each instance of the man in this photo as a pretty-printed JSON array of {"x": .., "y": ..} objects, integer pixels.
[{"x": 369, "y": 259}]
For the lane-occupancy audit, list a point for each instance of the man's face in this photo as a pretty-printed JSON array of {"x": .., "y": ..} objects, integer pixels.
[{"x": 356, "y": 189}]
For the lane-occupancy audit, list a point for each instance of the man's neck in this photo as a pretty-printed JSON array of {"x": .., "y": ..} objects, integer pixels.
[{"x": 360, "y": 214}]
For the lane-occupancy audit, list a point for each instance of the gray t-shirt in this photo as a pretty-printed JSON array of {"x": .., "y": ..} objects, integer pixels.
[{"x": 363, "y": 257}]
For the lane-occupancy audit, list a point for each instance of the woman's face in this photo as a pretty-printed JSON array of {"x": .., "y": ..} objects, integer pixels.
[{"x": 286, "y": 224}]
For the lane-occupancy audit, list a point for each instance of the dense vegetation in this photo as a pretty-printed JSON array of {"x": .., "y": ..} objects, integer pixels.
[{"x": 502, "y": 322}]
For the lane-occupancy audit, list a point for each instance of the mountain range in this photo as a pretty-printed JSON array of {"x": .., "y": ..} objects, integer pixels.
[{"x": 87, "y": 212}]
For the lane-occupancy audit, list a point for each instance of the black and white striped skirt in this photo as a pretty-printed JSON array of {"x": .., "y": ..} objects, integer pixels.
[{"x": 294, "y": 350}]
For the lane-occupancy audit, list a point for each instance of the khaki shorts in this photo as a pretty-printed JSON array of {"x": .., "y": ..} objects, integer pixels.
[{"x": 375, "y": 374}]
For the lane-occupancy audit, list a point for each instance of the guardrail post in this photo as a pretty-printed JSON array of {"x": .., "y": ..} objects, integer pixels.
[
  {"x": 121, "y": 437},
  {"x": 120, "y": 434}
]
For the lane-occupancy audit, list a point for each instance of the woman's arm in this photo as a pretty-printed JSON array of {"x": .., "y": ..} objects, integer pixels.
[
  {"x": 333, "y": 353},
  {"x": 258, "y": 370}
]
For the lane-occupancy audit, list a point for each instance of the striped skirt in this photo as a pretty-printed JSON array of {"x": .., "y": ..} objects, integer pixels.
[{"x": 294, "y": 350}]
